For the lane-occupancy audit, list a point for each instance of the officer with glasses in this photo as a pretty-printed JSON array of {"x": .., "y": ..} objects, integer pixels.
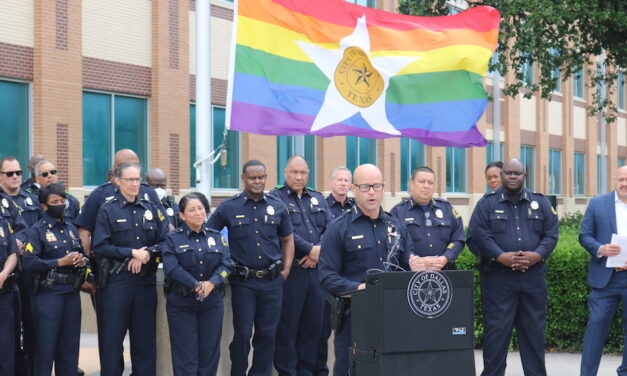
[
  {"x": 434, "y": 227},
  {"x": 46, "y": 174}
]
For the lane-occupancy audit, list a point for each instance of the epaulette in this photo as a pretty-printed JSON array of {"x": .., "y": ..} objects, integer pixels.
[
  {"x": 441, "y": 199},
  {"x": 311, "y": 189},
  {"x": 538, "y": 193},
  {"x": 211, "y": 229}
]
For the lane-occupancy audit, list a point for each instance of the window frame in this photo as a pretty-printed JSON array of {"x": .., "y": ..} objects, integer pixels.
[
  {"x": 452, "y": 172},
  {"x": 29, "y": 112},
  {"x": 582, "y": 187},
  {"x": 553, "y": 188}
]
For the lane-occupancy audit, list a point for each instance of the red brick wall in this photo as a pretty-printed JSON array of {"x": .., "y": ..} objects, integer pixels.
[
  {"x": 16, "y": 61},
  {"x": 119, "y": 77}
]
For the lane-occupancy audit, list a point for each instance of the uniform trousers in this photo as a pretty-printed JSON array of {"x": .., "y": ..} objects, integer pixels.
[
  {"x": 514, "y": 299},
  {"x": 57, "y": 313},
  {"x": 7, "y": 334},
  {"x": 256, "y": 302},
  {"x": 25, "y": 309},
  {"x": 323, "y": 350},
  {"x": 127, "y": 303},
  {"x": 299, "y": 331}
]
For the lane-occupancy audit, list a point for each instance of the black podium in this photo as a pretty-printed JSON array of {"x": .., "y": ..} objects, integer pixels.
[{"x": 408, "y": 323}]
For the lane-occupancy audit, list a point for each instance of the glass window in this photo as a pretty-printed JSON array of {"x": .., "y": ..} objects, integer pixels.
[
  {"x": 490, "y": 152},
  {"x": 621, "y": 90},
  {"x": 292, "y": 145},
  {"x": 360, "y": 150},
  {"x": 621, "y": 162},
  {"x": 580, "y": 174},
  {"x": 527, "y": 157},
  {"x": 192, "y": 144},
  {"x": 555, "y": 172},
  {"x": 131, "y": 120},
  {"x": 412, "y": 156},
  {"x": 527, "y": 71},
  {"x": 578, "y": 89},
  {"x": 14, "y": 120},
  {"x": 455, "y": 169}
]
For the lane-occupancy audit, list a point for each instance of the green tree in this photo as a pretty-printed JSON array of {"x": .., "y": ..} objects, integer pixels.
[{"x": 565, "y": 35}]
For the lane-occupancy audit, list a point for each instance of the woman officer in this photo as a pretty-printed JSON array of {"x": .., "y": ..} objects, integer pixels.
[
  {"x": 54, "y": 252},
  {"x": 196, "y": 261}
]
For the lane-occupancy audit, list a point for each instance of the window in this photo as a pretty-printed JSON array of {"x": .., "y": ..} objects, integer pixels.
[
  {"x": 527, "y": 70},
  {"x": 555, "y": 171},
  {"x": 555, "y": 74},
  {"x": 621, "y": 162},
  {"x": 360, "y": 150},
  {"x": 286, "y": 146},
  {"x": 527, "y": 157},
  {"x": 578, "y": 89},
  {"x": 412, "y": 156},
  {"x": 580, "y": 174},
  {"x": 455, "y": 169},
  {"x": 111, "y": 122},
  {"x": 14, "y": 120},
  {"x": 225, "y": 177},
  {"x": 621, "y": 91},
  {"x": 490, "y": 152},
  {"x": 366, "y": 3}
]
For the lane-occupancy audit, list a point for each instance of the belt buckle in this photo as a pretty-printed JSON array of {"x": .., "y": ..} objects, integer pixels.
[{"x": 260, "y": 273}]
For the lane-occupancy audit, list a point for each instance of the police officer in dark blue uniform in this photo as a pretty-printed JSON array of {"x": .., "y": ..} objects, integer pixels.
[
  {"x": 435, "y": 229},
  {"x": 157, "y": 179},
  {"x": 366, "y": 238},
  {"x": 339, "y": 202},
  {"x": 54, "y": 254},
  {"x": 46, "y": 174},
  {"x": 125, "y": 245},
  {"x": 8, "y": 262},
  {"x": 30, "y": 185},
  {"x": 262, "y": 248},
  {"x": 196, "y": 262},
  {"x": 515, "y": 231},
  {"x": 300, "y": 327}
]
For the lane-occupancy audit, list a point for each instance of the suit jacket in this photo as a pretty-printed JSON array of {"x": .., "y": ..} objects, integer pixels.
[{"x": 599, "y": 223}]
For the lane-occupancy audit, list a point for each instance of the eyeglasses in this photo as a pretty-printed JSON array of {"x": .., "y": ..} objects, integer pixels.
[
  {"x": 427, "y": 219},
  {"x": 46, "y": 173},
  {"x": 378, "y": 187},
  {"x": 131, "y": 180},
  {"x": 11, "y": 173}
]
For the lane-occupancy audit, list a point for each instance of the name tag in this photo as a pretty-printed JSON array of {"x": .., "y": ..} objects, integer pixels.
[
  {"x": 183, "y": 246},
  {"x": 121, "y": 220},
  {"x": 239, "y": 216},
  {"x": 499, "y": 211},
  {"x": 409, "y": 219},
  {"x": 357, "y": 237}
]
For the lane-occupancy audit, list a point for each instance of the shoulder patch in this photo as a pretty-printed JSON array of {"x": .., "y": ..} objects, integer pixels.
[
  {"x": 224, "y": 243},
  {"x": 456, "y": 213},
  {"x": 29, "y": 248},
  {"x": 161, "y": 217},
  {"x": 279, "y": 186}
]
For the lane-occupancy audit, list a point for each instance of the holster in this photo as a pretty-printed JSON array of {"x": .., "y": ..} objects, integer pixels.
[
  {"x": 8, "y": 284},
  {"x": 170, "y": 285},
  {"x": 340, "y": 309}
]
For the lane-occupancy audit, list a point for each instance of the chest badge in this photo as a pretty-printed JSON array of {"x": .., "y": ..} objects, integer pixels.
[
  {"x": 50, "y": 237},
  {"x": 439, "y": 214},
  {"x": 314, "y": 201},
  {"x": 146, "y": 197},
  {"x": 1, "y": 232},
  {"x": 169, "y": 212},
  {"x": 534, "y": 205},
  {"x": 270, "y": 210},
  {"x": 148, "y": 215},
  {"x": 5, "y": 203},
  {"x": 211, "y": 242},
  {"x": 29, "y": 201}
]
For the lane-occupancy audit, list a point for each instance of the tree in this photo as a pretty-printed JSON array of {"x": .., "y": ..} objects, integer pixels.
[{"x": 560, "y": 35}]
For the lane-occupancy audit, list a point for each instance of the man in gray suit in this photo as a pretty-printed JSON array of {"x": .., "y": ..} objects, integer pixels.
[{"x": 606, "y": 215}]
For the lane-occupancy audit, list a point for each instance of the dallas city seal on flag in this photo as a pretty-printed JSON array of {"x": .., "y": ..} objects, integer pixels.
[{"x": 331, "y": 68}]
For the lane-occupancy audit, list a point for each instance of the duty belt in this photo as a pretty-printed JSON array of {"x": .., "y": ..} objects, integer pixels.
[{"x": 244, "y": 272}]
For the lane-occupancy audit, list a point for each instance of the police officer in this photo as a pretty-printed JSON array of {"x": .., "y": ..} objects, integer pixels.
[
  {"x": 515, "y": 231},
  {"x": 8, "y": 261},
  {"x": 262, "y": 244},
  {"x": 196, "y": 262},
  {"x": 126, "y": 237},
  {"x": 360, "y": 240},
  {"x": 46, "y": 174},
  {"x": 339, "y": 202},
  {"x": 299, "y": 331},
  {"x": 54, "y": 254},
  {"x": 157, "y": 179},
  {"x": 30, "y": 185},
  {"x": 435, "y": 229}
]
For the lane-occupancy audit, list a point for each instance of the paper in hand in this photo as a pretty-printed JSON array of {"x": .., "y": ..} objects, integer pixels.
[{"x": 619, "y": 260}]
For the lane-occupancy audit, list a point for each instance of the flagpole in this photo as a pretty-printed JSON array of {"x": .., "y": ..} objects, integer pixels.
[{"x": 204, "y": 124}]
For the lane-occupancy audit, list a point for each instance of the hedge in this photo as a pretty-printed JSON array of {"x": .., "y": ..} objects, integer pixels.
[{"x": 568, "y": 294}]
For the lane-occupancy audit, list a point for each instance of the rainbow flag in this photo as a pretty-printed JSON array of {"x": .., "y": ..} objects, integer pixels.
[{"x": 331, "y": 68}]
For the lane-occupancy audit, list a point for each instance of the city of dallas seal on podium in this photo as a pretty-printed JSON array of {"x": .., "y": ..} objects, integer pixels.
[{"x": 429, "y": 294}]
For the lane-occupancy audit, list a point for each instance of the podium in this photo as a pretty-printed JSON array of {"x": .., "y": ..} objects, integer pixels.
[{"x": 407, "y": 323}]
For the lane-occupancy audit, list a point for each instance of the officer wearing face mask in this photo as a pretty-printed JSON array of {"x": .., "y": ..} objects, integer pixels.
[{"x": 157, "y": 179}]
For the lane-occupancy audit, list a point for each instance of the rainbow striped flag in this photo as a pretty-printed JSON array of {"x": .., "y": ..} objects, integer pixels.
[{"x": 331, "y": 68}]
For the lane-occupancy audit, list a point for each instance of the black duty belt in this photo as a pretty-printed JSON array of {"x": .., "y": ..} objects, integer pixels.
[{"x": 271, "y": 272}]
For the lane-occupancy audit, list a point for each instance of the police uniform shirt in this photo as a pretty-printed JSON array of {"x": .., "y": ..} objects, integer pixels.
[
  {"x": 103, "y": 193},
  {"x": 354, "y": 244},
  {"x": 28, "y": 206},
  {"x": 435, "y": 229},
  {"x": 500, "y": 225},
  {"x": 190, "y": 257},
  {"x": 47, "y": 241},
  {"x": 255, "y": 228},
  {"x": 7, "y": 242},
  {"x": 337, "y": 208},
  {"x": 30, "y": 186},
  {"x": 171, "y": 210},
  {"x": 11, "y": 213},
  {"x": 122, "y": 226},
  {"x": 72, "y": 208},
  {"x": 309, "y": 215}
]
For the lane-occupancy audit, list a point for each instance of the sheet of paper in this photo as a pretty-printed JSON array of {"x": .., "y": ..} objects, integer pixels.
[{"x": 619, "y": 260}]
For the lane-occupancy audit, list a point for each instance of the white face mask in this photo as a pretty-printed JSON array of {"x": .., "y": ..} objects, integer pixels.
[{"x": 160, "y": 193}]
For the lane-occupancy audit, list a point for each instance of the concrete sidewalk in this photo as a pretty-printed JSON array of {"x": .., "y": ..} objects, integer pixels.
[{"x": 557, "y": 364}]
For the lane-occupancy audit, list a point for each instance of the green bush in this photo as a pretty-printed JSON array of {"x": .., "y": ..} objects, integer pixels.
[{"x": 567, "y": 313}]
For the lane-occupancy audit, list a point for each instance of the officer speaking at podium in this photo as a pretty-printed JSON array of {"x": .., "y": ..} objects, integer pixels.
[{"x": 361, "y": 240}]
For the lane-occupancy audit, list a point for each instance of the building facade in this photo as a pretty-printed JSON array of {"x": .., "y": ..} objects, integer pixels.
[{"x": 81, "y": 79}]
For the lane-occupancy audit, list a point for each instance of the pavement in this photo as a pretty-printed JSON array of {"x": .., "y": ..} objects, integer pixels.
[{"x": 557, "y": 364}]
